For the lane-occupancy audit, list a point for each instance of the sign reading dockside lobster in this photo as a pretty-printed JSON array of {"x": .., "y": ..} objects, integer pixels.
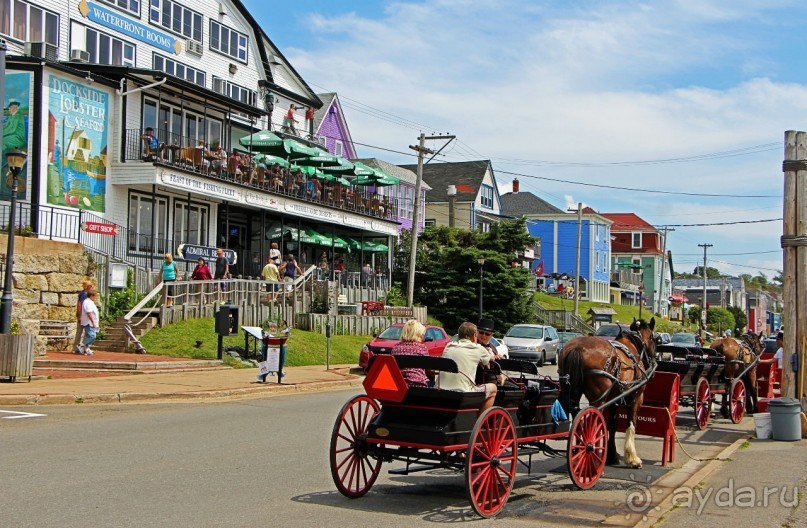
[{"x": 99, "y": 228}]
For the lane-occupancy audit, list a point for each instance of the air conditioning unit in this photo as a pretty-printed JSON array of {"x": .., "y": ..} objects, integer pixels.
[
  {"x": 194, "y": 47},
  {"x": 78, "y": 55},
  {"x": 42, "y": 50}
]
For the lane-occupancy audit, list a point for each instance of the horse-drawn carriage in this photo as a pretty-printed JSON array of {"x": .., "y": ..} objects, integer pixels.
[
  {"x": 430, "y": 428},
  {"x": 708, "y": 372}
]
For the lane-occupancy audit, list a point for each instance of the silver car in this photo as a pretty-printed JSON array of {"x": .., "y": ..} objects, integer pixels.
[{"x": 532, "y": 342}]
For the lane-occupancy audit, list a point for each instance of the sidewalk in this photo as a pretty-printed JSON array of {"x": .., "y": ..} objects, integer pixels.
[{"x": 109, "y": 377}]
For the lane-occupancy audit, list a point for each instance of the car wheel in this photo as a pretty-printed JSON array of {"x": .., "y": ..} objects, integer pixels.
[
  {"x": 542, "y": 360},
  {"x": 555, "y": 359}
]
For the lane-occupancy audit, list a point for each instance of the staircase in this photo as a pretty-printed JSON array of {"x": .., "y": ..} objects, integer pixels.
[
  {"x": 564, "y": 320},
  {"x": 115, "y": 339}
]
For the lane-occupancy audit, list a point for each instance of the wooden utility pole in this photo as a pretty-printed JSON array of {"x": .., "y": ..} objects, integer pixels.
[
  {"x": 422, "y": 151},
  {"x": 703, "y": 303},
  {"x": 794, "y": 248},
  {"x": 577, "y": 259}
]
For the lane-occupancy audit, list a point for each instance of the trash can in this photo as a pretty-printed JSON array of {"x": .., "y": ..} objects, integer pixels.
[
  {"x": 785, "y": 419},
  {"x": 762, "y": 423},
  {"x": 273, "y": 356}
]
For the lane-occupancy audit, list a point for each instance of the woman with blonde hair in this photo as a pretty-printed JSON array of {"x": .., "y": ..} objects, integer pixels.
[
  {"x": 169, "y": 273},
  {"x": 411, "y": 344}
]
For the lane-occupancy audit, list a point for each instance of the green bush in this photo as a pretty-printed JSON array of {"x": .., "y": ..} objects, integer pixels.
[
  {"x": 718, "y": 320},
  {"x": 121, "y": 301}
]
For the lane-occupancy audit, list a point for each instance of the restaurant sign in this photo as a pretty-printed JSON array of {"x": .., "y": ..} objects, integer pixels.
[{"x": 193, "y": 253}]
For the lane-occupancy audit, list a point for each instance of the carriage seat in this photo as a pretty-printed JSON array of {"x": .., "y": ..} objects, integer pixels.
[{"x": 435, "y": 396}]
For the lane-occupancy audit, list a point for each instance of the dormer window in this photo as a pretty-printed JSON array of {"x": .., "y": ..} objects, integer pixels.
[{"x": 635, "y": 240}]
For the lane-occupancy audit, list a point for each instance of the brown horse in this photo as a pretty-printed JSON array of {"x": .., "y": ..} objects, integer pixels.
[
  {"x": 602, "y": 370},
  {"x": 738, "y": 353}
]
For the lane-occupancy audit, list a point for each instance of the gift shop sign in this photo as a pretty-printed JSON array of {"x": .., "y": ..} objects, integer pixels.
[
  {"x": 131, "y": 28},
  {"x": 99, "y": 228}
]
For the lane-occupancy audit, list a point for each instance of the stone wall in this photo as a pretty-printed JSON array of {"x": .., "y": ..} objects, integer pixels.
[{"x": 47, "y": 277}]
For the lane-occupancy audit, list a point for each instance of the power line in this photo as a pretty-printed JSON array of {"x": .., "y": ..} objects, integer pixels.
[{"x": 725, "y": 223}]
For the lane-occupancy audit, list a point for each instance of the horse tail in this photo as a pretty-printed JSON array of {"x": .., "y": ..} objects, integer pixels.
[{"x": 571, "y": 373}]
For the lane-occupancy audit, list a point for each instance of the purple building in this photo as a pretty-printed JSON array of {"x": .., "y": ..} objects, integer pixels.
[
  {"x": 402, "y": 196},
  {"x": 330, "y": 127}
]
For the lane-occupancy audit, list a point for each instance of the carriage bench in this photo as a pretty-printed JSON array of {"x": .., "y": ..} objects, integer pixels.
[
  {"x": 657, "y": 414},
  {"x": 56, "y": 331}
]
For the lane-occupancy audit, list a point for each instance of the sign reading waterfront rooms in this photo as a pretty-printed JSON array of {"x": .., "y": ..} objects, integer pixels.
[{"x": 111, "y": 19}]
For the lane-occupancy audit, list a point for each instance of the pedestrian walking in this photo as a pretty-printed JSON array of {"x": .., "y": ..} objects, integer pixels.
[
  {"x": 169, "y": 273},
  {"x": 90, "y": 322},
  {"x": 222, "y": 271},
  {"x": 86, "y": 286}
]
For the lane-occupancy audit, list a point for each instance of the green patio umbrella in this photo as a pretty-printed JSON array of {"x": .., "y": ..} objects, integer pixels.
[
  {"x": 311, "y": 172},
  {"x": 350, "y": 169},
  {"x": 306, "y": 236},
  {"x": 352, "y": 243},
  {"x": 337, "y": 179},
  {"x": 269, "y": 160},
  {"x": 258, "y": 140},
  {"x": 376, "y": 247},
  {"x": 378, "y": 178},
  {"x": 320, "y": 159},
  {"x": 337, "y": 242}
]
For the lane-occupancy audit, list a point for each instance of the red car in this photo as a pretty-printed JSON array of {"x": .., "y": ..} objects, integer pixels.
[{"x": 436, "y": 340}]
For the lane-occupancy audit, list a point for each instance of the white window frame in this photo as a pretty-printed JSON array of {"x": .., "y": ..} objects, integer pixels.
[
  {"x": 161, "y": 63},
  {"x": 337, "y": 148},
  {"x": 637, "y": 261},
  {"x": 429, "y": 222},
  {"x": 130, "y": 6},
  {"x": 157, "y": 12},
  {"x": 135, "y": 244},
  {"x": 486, "y": 196},
  {"x": 597, "y": 267},
  {"x": 634, "y": 236},
  {"x": 11, "y": 30},
  {"x": 235, "y": 91},
  {"x": 182, "y": 233},
  {"x": 94, "y": 48},
  {"x": 225, "y": 48}
]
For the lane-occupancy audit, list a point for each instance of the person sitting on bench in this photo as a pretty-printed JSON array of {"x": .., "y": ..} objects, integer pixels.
[
  {"x": 411, "y": 344},
  {"x": 468, "y": 355}
]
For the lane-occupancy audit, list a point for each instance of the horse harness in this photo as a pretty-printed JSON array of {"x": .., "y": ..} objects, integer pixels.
[
  {"x": 746, "y": 349},
  {"x": 614, "y": 365}
]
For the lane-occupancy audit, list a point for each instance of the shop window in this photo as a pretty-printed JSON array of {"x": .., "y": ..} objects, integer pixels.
[
  {"x": 148, "y": 224},
  {"x": 190, "y": 223}
]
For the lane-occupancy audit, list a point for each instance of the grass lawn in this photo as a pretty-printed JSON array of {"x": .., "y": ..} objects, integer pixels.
[
  {"x": 302, "y": 348},
  {"x": 624, "y": 314}
]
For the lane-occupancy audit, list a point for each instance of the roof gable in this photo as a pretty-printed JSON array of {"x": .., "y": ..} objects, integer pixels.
[
  {"x": 628, "y": 222},
  {"x": 466, "y": 176},
  {"x": 331, "y": 115},
  {"x": 405, "y": 175},
  {"x": 526, "y": 203}
]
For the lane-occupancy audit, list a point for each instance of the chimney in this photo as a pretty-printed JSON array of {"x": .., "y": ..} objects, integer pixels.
[{"x": 515, "y": 186}]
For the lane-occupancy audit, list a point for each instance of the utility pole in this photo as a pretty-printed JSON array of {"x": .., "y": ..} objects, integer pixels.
[
  {"x": 577, "y": 258},
  {"x": 663, "y": 270},
  {"x": 422, "y": 151},
  {"x": 703, "y": 304}
]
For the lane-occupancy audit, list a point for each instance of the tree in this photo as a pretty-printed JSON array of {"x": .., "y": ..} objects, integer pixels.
[
  {"x": 718, "y": 320},
  {"x": 711, "y": 273},
  {"x": 448, "y": 274},
  {"x": 694, "y": 314},
  {"x": 740, "y": 319}
]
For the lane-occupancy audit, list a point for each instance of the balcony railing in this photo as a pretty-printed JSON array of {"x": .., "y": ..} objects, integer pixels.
[
  {"x": 193, "y": 156},
  {"x": 626, "y": 278}
]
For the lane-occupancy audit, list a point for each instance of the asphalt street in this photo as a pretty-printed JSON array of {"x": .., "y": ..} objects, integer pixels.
[{"x": 264, "y": 461}]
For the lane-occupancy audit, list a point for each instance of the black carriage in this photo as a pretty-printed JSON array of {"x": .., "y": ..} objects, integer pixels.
[
  {"x": 703, "y": 376},
  {"x": 430, "y": 428}
]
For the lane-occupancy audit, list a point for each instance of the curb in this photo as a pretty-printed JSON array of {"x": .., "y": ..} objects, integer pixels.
[
  {"x": 214, "y": 394},
  {"x": 689, "y": 475}
]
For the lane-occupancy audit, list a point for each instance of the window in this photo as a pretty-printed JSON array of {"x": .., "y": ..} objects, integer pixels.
[
  {"x": 143, "y": 230},
  {"x": 227, "y": 41},
  {"x": 190, "y": 224},
  {"x": 597, "y": 266},
  {"x": 239, "y": 93},
  {"x": 483, "y": 226},
  {"x": 177, "y": 69},
  {"x": 487, "y": 196},
  {"x": 406, "y": 201},
  {"x": 29, "y": 23},
  {"x": 337, "y": 148},
  {"x": 637, "y": 265},
  {"x": 430, "y": 222},
  {"x": 636, "y": 240},
  {"x": 176, "y": 18},
  {"x": 172, "y": 125},
  {"x": 133, "y": 6},
  {"x": 106, "y": 49}
]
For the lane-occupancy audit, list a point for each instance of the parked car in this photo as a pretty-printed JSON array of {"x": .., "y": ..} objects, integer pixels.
[
  {"x": 501, "y": 348},
  {"x": 664, "y": 338},
  {"x": 770, "y": 346},
  {"x": 565, "y": 337},
  {"x": 531, "y": 342},
  {"x": 685, "y": 339},
  {"x": 609, "y": 331},
  {"x": 436, "y": 340}
]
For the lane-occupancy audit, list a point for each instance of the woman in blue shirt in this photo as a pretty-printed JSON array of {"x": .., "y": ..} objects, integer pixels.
[{"x": 168, "y": 274}]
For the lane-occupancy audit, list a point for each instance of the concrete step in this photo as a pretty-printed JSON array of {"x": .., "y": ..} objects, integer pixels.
[
  {"x": 141, "y": 366},
  {"x": 132, "y": 371}
]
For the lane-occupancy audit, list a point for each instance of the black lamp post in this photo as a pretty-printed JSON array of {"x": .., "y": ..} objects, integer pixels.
[
  {"x": 481, "y": 262},
  {"x": 15, "y": 159}
]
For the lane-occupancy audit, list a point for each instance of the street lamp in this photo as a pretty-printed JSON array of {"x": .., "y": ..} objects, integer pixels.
[
  {"x": 481, "y": 263},
  {"x": 15, "y": 160}
]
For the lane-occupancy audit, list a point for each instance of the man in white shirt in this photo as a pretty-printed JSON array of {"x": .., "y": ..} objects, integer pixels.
[
  {"x": 468, "y": 355},
  {"x": 90, "y": 322},
  {"x": 780, "y": 352}
]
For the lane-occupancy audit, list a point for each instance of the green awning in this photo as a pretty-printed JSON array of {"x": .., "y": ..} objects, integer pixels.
[
  {"x": 306, "y": 236},
  {"x": 375, "y": 247}
]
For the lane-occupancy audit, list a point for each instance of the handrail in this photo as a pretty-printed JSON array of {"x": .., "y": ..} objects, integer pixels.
[{"x": 139, "y": 306}]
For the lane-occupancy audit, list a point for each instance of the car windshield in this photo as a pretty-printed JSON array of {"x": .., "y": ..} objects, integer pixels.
[
  {"x": 530, "y": 332},
  {"x": 683, "y": 338},
  {"x": 494, "y": 341},
  {"x": 608, "y": 331},
  {"x": 392, "y": 333}
]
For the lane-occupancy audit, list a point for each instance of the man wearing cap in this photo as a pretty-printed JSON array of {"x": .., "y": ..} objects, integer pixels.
[
  {"x": 779, "y": 356},
  {"x": 484, "y": 333},
  {"x": 14, "y": 128}
]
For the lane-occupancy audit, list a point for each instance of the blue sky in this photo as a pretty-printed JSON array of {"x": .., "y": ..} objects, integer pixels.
[{"x": 579, "y": 91}]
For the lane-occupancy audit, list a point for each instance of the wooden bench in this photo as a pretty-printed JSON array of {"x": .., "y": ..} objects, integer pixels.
[
  {"x": 58, "y": 331},
  {"x": 657, "y": 414}
]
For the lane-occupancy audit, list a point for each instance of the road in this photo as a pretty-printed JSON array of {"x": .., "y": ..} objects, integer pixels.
[{"x": 251, "y": 463}]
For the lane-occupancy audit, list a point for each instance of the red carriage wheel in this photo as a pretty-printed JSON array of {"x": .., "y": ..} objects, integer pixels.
[
  {"x": 703, "y": 403},
  {"x": 588, "y": 446},
  {"x": 737, "y": 403},
  {"x": 490, "y": 465},
  {"x": 352, "y": 469}
]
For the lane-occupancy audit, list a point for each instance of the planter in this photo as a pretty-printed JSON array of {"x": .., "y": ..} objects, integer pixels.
[{"x": 16, "y": 356}]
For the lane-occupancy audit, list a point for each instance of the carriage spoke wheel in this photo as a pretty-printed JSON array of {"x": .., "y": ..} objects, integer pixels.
[
  {"x": 352, "y": 469},
  {"x": 491, "y": 461},
  {"x": 737, "y": 402},
  {"x": 703, "y": 403},
  {"x": 588, "y": 446}
]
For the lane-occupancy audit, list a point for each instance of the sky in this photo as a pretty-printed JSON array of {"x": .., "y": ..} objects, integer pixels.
[{"x": 575, "y": 98}]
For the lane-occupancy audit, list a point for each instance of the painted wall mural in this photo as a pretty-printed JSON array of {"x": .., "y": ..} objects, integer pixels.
[
  {"x": 77, "y": 145},
  {"x": 16, "y": 108}
]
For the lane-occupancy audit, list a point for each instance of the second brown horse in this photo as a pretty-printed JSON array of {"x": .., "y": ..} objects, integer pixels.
[
  {"x": 602, "y": 370},
  {"x": 738, "y": 354}
]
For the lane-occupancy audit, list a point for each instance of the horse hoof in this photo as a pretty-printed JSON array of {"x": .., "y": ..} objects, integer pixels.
[{"x": 635, "y": 465}]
